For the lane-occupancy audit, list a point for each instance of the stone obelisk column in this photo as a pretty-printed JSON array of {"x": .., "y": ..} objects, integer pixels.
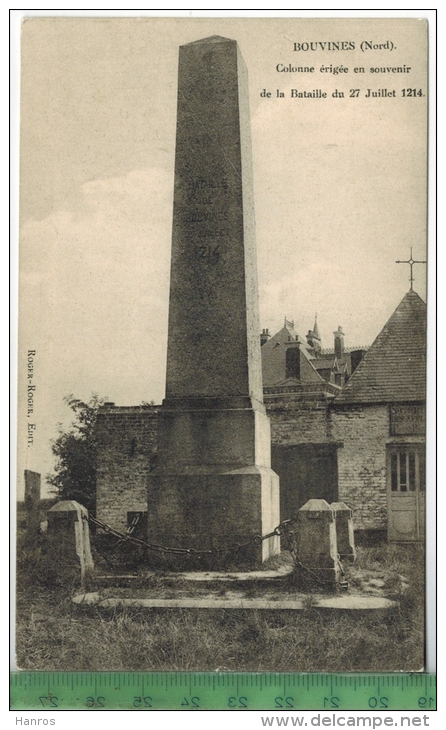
[{"x": 213, "y": 485}]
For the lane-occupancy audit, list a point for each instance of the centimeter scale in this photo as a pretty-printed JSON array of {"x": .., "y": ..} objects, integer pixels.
[{"x": 220, "y": 691}]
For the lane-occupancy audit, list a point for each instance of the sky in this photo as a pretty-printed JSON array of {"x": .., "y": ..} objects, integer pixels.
[{"x": 339, "y": 185}]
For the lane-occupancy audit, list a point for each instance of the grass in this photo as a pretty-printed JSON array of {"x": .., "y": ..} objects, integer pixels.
[{"x": 53, "y": 634}]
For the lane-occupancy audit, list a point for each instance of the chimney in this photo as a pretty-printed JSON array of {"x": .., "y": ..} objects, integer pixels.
[
  {"x": 264, "y": 337},
  {"x": 356, "y": 357},
  {"x": 339, "y": 343}
]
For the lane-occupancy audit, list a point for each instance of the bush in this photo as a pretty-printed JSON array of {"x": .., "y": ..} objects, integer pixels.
[{"x": 76, "y": 454}]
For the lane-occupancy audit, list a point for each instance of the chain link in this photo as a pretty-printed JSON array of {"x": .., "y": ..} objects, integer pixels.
[
  {"x": 127, "y": 536},
  {"x": 282, "y": 529}
]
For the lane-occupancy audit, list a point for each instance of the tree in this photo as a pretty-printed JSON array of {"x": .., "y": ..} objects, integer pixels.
[{"x": 76, "y": 454}]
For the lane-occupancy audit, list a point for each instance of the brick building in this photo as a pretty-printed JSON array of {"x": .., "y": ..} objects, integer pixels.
[
  {"x": 287, "y": 355},
  {"x": 346, "y": 424},
  {"x": 300, "y": 380},
  {"x": 380, "y": 418}
]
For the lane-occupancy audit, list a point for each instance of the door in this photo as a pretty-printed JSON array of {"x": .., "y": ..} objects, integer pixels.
[
  {"x": 306, "y": 471},
  {"x": 406, "y": 492}
]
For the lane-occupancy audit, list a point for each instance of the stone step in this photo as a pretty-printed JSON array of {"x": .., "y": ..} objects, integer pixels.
[{"x": 277, "y": 574}]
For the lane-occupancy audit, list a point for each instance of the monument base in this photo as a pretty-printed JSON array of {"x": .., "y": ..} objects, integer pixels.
[{"x": 207, "y": 511}]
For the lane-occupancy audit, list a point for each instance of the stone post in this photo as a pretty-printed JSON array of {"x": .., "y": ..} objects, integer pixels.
[
  {"x": 32, "y": 504},
  {"x": 317, "y": 552},
  {"x": 344, "y": 531},
  {"x": 69, "y": 541}
]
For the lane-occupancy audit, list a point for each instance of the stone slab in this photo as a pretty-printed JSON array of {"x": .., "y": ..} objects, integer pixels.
[
  {"x": 214, "y": 511},
  {"x": 213, "y": 439},
  {"x": 350, "y": 603}
]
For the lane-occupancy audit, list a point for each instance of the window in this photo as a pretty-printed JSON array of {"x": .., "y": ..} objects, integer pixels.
[{"x": 407, "y": 469}]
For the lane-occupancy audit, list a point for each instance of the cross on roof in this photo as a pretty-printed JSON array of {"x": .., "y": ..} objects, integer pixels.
[{"x": 411, "y": 262}]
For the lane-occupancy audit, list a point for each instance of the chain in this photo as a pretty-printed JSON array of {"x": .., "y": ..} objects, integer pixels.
[
  {"x": 130, "y": 529},
  {"x": 127, "y": 536},
  {"x": 281, "y": 529}
]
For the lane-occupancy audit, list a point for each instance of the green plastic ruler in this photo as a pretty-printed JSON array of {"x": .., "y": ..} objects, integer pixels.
[{"x": 220, "y": 691}]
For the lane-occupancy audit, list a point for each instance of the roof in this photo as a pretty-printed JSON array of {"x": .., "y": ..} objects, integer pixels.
[
  {"x": 274, "y": 357},
  {"x": 394, "y": 368},
  {"x": 323, "y": 363}
]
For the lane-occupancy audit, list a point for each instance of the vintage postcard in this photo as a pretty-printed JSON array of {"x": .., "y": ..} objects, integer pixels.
[{"x": 222, "y": 344}]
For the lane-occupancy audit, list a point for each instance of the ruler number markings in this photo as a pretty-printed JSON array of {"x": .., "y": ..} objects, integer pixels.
[
  {"x": 143, "y": 702},
  {"x": 61, "y": 691},
  {"x": 238, "y": 702},
  {"x": 426, "y": 703},
  {"x": 191, "y": 702},
  {"x": 284, "y": 702}
]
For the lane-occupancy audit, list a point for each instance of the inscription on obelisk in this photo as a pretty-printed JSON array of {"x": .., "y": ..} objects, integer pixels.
[{"x": 213, "y": 485}]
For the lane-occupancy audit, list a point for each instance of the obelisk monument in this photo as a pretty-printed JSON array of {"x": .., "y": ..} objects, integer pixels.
[{"x": 213, "y": 486}]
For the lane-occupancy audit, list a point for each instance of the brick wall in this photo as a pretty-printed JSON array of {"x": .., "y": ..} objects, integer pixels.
[
  {"x": 299, "y": 423},
  {"x": 303, "y": 452},
  {"x": 126, "y": 438},
  {"x": 361, "y": 459},
  {"x": 127, "y": 446},
  {"x": 364, "y": 430}
]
